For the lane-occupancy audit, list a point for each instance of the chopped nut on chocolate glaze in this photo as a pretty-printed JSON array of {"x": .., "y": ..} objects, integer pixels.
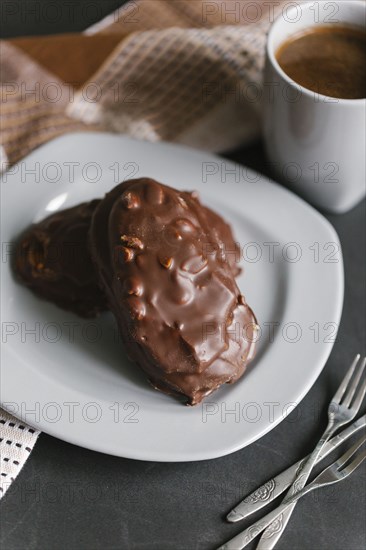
[{"x": 132, "y": 242}]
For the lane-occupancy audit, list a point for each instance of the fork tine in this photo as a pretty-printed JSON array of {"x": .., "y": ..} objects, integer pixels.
[
  {"x": 342, "y": 388},
  {"x": 355, "y": 464},
  {"x": 359, "y": 397},
  {"x": 350, "y": 452},
  {"x": 351, "y": 391}
]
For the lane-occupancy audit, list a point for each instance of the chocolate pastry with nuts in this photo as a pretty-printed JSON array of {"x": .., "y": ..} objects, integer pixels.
[
  {"x": 171, "y": 288},
  {"x": 53, "y": 260}
]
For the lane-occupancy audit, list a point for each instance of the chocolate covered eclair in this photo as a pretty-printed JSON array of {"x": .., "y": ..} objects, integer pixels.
[
  {"x": 53, "y": 260},
  {"x": 171, "y": 286}
]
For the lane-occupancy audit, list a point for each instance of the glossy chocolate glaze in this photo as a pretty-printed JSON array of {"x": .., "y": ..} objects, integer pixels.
[
  {"x": 223, "y": 239},
  {"x": 164, "y": 271},
  {"x": 53, "y": 260}
]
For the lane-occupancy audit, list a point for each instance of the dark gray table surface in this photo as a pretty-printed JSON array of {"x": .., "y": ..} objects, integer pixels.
[{"x": 69, "y": 497}]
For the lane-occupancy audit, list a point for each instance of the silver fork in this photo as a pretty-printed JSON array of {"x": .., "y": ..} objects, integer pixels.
[
  {"x": 342, "y": 409},
  {"x": 340, "y": 412},
  {"x": 276, "y": 486},
  {"x": 334, "y": 473}
]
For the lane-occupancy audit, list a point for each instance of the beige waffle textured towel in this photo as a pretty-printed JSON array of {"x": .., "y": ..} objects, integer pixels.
[{"x": 188, "y": 71}]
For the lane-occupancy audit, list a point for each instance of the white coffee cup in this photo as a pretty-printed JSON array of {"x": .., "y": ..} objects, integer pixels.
[{"x": 316, "y": 143}]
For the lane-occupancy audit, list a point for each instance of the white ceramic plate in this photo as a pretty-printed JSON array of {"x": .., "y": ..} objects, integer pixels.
[{"x": 70, "y": 378}]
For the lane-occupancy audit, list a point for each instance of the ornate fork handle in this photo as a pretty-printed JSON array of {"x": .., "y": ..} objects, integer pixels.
[
  {"x": 303, "y": 472},
  {"x": 274, "y": 487},
  {"x": 245, "y": 537},
  {"x": 338, "y": 471}
]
